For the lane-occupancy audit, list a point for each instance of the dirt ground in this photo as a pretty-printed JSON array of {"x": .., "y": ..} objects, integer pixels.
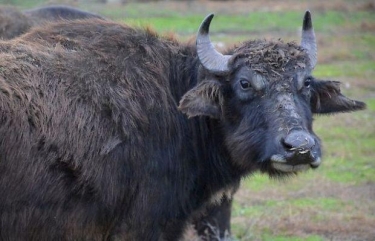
[{"x": 337, "y": 228}]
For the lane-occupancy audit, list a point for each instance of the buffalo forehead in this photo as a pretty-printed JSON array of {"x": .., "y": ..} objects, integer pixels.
[{"x": 273, "y": 59}]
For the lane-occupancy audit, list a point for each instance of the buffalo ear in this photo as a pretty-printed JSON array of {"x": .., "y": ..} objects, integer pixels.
[
  {"x": 327, "y": 98},
  {"x": 205, "y": 99}
]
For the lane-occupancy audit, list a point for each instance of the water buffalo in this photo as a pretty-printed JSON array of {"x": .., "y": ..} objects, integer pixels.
[
  {"x": 14, "y": 22},
  {"x": 113, "y": 133}
]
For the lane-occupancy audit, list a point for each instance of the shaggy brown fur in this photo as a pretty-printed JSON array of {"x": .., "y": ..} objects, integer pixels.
[{"x": 107, "y": 109}]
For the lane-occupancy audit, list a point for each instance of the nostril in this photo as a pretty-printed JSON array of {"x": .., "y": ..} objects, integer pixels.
[
  {"x": 286, "y": 145},
  {"x": 298, "y": 140}
]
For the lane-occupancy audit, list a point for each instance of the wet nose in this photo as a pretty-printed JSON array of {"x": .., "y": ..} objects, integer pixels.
[{"x": 299, "y": 142}]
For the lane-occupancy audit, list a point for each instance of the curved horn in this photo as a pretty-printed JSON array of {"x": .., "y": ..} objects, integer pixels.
[
  {"x": 211, "y": 59},
  {"x": 308, "y": 40}
]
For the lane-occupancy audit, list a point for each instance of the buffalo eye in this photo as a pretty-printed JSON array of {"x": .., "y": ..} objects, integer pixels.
[
  {"x": 307, "y": 82},
  {"x": 245, "y": 84}
]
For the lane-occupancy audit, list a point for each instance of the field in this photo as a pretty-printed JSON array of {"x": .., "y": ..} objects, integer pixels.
[{"x": 336, "y": 201}]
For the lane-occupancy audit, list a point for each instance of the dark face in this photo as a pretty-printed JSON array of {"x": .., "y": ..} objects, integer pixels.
[
  {"x": 268, "y": 119},
  {"x": 264, "y": 95}
]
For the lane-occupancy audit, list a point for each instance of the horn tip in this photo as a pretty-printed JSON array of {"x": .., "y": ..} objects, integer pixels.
[
  {"x": 307, "y": 23},
  {"x": 206, "y": 24}
]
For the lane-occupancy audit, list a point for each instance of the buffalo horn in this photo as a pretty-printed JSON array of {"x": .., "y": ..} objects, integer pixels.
[
  {"x": 211, "y": 59},
  {"x": 308, "y": 40}
]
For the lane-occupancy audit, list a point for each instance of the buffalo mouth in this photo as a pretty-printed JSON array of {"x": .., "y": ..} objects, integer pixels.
[{"x": 294, "y": 163}]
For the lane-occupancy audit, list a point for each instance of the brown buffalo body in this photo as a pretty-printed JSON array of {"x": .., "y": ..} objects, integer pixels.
[{"x": 94, "y": 144}]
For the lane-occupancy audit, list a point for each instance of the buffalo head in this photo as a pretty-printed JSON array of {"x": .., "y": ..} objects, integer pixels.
[{"x": 264, "y": 95}]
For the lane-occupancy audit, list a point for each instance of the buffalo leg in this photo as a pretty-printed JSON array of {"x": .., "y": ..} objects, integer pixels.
[{"x": 214, "y": 224}]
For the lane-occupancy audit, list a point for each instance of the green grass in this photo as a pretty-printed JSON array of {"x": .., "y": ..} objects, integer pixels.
[
  {"x": 360, "y": 68},
  {"x": 282, "y": 209},
  {"x": 253, "y": 22},
  {"x": 371, "y": 104},
  {"x": 258, "y": 209},
  {"x": 267, "y": 236},
  {"x": 23, "y": 3},
  {"x": 367, "y": 39}
]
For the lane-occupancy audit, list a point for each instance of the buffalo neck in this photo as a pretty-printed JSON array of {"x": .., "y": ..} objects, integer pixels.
[{"x": 204, "y": 142}]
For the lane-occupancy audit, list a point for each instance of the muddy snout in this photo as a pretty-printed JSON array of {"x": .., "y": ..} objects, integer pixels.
[
  {"x": 298, "y": 142},
  {"x": 299, "y": 153}
]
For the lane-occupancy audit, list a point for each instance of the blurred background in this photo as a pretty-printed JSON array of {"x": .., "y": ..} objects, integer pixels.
[{"x": 334, "y": 202}]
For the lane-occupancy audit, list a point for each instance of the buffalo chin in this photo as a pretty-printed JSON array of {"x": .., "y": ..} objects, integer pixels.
[
  {"x": 281, "y": 164},
  {"x": 283, "y": 167}
]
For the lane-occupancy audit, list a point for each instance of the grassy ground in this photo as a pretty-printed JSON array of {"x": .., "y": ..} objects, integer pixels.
[{"x": 336, "y": 201}]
